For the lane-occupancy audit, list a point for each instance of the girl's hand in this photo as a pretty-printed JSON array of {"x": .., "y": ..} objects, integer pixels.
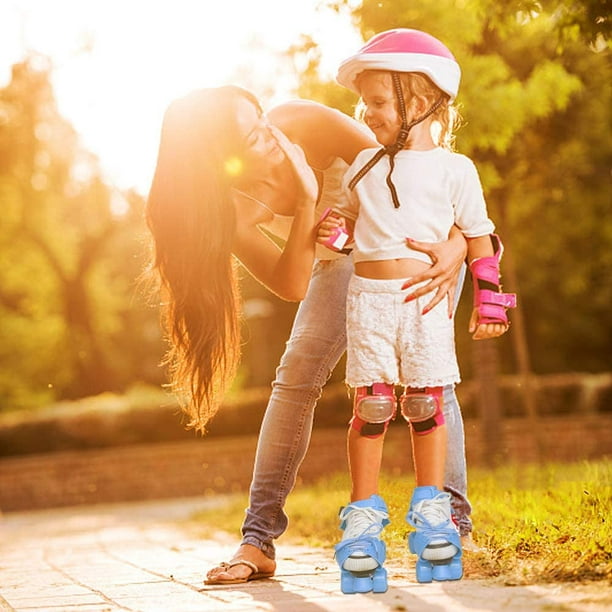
[
  {"x": 328, "y": 224},
  {"x": 447, "y": 258},
  {"x": 483, "y": 331}
]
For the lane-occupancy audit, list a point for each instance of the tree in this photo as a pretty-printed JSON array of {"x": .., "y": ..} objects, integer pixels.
[{"x": 69, "y": 269}]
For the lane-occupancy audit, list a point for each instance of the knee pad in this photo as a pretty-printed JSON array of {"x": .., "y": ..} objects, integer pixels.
[
  {"x": 422, "y": 408},
  {"x": 373, "y": 409}
]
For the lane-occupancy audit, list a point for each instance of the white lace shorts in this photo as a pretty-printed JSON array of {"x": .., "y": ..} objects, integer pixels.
[{"x": 390, "y": 341}]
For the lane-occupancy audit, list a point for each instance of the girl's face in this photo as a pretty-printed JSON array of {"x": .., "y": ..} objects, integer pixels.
[
  {"x": 259, "y": 148},
  {"x": 378, "y": 96}
]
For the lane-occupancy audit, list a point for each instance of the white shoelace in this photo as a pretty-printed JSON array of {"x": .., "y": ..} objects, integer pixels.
[
  {"x": 436, "y": 511},
  {"x": 362, "y": 521},
  {"x": 430, "y": 514}
]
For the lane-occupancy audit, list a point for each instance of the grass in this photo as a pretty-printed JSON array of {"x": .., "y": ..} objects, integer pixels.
[{"x": 536, "y": 523}]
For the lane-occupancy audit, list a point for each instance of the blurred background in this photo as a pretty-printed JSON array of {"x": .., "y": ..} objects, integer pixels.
[{"x": 83, "y": 86}]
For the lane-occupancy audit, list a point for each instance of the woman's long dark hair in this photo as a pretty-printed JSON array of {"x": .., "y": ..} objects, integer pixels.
[{"x": 192, "y": 219}]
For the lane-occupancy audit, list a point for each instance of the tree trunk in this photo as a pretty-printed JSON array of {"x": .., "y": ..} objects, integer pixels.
[
  {"x": 518, "y": 334},
  {"x": 486, "y": 366}
]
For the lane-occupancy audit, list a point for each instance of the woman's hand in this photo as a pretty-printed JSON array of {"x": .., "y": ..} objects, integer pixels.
[
  {"x": 306, "y": 179},
  {"x": 447, "y": 258}
]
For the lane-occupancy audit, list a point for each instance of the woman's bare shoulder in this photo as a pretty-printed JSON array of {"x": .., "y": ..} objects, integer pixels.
[
  {"x": 303, "y": 114},
  {"x": 320, "y": 128}
]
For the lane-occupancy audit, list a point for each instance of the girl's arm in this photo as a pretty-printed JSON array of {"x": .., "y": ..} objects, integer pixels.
[{"x": 489, "y": 318}]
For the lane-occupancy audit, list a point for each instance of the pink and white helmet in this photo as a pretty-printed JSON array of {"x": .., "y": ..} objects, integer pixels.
[{"x": 404, "y": 50}]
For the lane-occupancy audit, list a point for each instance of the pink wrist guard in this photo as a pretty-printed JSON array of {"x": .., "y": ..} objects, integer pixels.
[{"x": 488, "y": 299}]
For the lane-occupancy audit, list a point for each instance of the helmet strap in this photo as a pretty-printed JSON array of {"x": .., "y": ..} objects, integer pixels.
[
  {"x": 400, "y": 141},
  {"x": 402, "y": 137}
]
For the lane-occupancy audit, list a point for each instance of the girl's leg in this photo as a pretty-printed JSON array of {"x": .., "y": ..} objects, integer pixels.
[
  {"x": 365, "y": 457},
  {"x": 361, "y": 552},
  {"x": 435, "y": 540},
  {"x": 429, "y": 454}
]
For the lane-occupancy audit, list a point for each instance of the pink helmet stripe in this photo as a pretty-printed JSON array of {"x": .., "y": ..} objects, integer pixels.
[
  {"x": 404, "y": 40},
  {"x": 404, "y": 50}
]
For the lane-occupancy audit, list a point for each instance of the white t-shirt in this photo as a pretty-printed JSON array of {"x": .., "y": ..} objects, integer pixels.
[{"x": 436, "y": 189}]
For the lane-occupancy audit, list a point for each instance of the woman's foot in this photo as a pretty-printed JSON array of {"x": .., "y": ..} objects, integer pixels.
[{"x": 249, "y": 563}]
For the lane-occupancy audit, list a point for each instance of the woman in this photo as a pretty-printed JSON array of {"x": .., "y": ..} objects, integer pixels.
[{"x": 224, "y": 172}]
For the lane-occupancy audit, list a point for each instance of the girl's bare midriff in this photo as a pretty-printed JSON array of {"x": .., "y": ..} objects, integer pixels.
[{"x": 387, "y": 269}]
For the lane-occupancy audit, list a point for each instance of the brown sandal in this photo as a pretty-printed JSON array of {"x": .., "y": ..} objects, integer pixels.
[{"x": 254, "y": 575}]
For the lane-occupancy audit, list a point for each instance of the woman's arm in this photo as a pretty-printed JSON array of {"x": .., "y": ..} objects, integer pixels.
[
  {"x": 447, "y": 258},
  {"x": 324, "y": 133},
  {"x": 284, "y": 271}
]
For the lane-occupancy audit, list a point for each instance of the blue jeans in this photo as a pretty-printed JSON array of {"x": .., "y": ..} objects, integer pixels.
[{"x": 316, "y": 343}]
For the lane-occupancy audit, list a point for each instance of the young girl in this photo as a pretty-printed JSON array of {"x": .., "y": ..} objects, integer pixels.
[{"x": 413, "y": 186}]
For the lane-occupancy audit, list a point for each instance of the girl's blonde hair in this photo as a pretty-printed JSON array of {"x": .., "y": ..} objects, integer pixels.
[{"x": 445, "y": 119}]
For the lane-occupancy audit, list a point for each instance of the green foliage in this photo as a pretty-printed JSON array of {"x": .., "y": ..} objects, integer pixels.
[
  {"x": 535, "y": 97},
  {"x": 549, "y": 522},
  {"x": 70, "y": 261}
]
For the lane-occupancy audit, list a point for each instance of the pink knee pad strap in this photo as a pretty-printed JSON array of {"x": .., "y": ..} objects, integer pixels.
[
  {"x": 373, "y": 409},
  {"x": 488, "y": 299},
  {"x": 418, "y": 410}
]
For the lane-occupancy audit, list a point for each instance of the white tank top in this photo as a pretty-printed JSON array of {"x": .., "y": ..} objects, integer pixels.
[
  {"x": 330, "y": 196},
  {"x": 331, "y": 192}
]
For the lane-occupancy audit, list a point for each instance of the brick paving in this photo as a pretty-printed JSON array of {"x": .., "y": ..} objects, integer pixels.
[{"x": 148, "y": 556}]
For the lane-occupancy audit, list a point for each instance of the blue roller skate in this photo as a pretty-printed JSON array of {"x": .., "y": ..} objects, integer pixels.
[
  {"x": 361, "y": 553},
  {"x": 436, "y": 540}
]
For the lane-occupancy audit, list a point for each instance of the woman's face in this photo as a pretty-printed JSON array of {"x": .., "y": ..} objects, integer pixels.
[{"x": 259, "y": 148}]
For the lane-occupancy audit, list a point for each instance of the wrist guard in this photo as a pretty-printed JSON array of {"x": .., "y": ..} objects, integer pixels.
[{"x": 488, "y": 298}]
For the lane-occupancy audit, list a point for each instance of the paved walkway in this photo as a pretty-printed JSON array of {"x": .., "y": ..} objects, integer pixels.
[{"x": 145, "y": 557}]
